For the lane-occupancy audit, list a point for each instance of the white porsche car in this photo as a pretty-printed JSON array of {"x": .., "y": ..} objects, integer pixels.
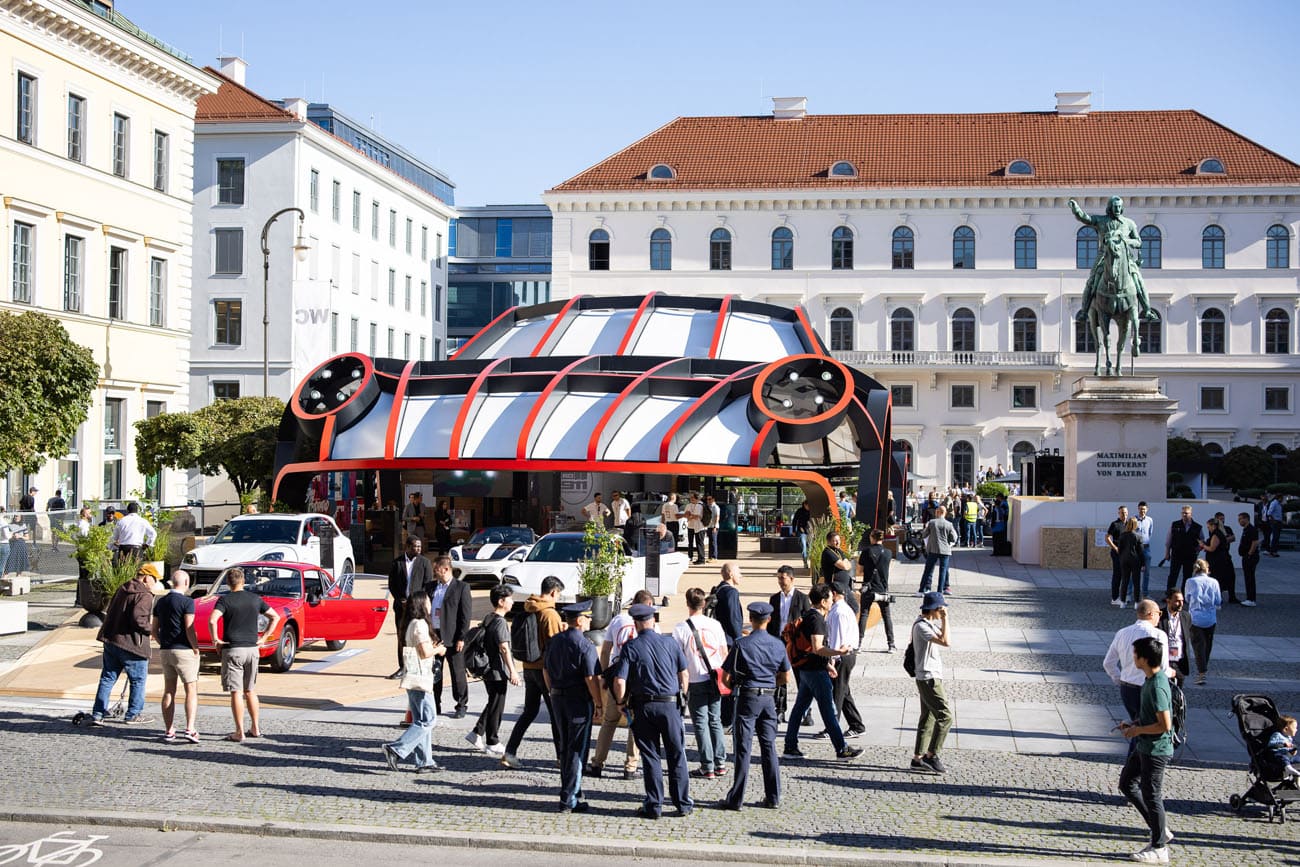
[
  {"x": 487, "y": 553},
  {"x": 558, "y": 554},
  {"x": 284, "y": 537}
]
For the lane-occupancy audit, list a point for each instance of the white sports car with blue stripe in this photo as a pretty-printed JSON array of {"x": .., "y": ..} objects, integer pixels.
[{"x": 487, "y": 553}]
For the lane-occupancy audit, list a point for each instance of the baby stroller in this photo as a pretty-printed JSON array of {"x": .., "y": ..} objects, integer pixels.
[{"x": 1257, "y": 719}]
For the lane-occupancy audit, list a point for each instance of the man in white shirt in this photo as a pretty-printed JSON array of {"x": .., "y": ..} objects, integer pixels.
[
  {"x": 132, "y": 534},
  {"x": 1146, "y": 526},
  {"x": 672, "y": 517},
  {"x": 712, "y": 520},
  {"x": 702, "y": 696},
  {"x": 1119, "y": 662},
  {"x": 596, "y": 511},
  {"x": 695, "y": 529},
  {"x": 621, "y": 511},
  {"x": 842, "y": 630},
  {"x": 621, "y": 630}
]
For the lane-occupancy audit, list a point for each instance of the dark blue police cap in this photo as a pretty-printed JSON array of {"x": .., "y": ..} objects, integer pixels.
[
  {"x": 576, "y": 609},
  {"x": 760, "y": 609},
  {"x": 640, "y": 611}
]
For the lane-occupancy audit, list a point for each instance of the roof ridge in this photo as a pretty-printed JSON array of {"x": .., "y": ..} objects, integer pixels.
[{"x": 244, "y": 90}]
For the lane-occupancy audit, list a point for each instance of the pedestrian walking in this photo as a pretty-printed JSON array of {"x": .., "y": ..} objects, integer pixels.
[
  {"x": 1118, "y": 662},
  {"x": 1203, "y": 602},
  {"x": 529, "y": 635},
  {"x": 572, "y": 675},
  {"x": 1248, "y": 551},
  {"x": 705, "y": 646},
  {"x": 1176, "y": 624},
  {"x": 788, "y": 606},
  {"x": 172, "y": 627},
  {"x": 125, "y": 636},
  {"x": 875, "y": 560},
  {"x": 239, "y": 650},
  {"x": 939, "y": 537},
  {"x": 499, "y": 677},
  {"x": 842, "y": 631},
  {"x": 420, "y": 651},
  {"x": 753, "y": 669},
  {"x": 811, "y": 661},
  {"x": 929, "y": 633},
  {"x": 800, "y": 527},
  {"x": 618, "y": 633},
  {"x": 1150, "y": 732},
  {"x": 55, "y": 507}
]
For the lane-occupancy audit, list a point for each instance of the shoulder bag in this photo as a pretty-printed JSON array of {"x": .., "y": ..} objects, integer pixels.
[
  {"x": 417, "y": 671},
  {"x": 715, "y": 675}
]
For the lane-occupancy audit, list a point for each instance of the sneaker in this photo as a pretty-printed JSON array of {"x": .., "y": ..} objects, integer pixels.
[
  {"x": 1249, "y": 603},
  {"x": 509, "y": 760},
  {"x": 496, "y": 751},
  {"x": 792, "y": 753},
  {"x": 1168, "y": 836},
  {"x": 920, "y": 765},
  {"x": 191, "y": 736},
  {"x": 1151, "y": 856},
  {"x": 96, "y": 722},
  {"x": 389, "y": 756},
  {"x": 140, "y": 720},
  {"x": 431, "y": 768},
  {"x": 935, "y": 764},
  {"x": 849, "y": 753},
  {"x": 821, "y": 735},
  {"x": 855, "y": 733},
  {"x": 592, "y": 771},
  {"x": 475, "y": 740},
  {"x": 1200, "y": 680},
  {"x": 1117, "y": 603},
  {"x": 169, "y": 736},
  {"x": 891, "y": 649},
  {"x": 704, "y": 773},
  {"x": 720, "y": 771},
  {"x": 631, "y": 773}
]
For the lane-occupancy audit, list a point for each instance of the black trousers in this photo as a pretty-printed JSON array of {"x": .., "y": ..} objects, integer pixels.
[
  {"x": 864, "y": 611},
  {"x": 400, "y": 621},
  {"x": 489, "y": 722},
  {"x": 755, "y": 714},
  {"x": 455, "y": 664},
  {"x": 1142, "y": 782},
  {"x": 842, "y": 693},
  {"x": 657, "y": 727},
  {"x": 1248, "y": 566},
  {"x": 1202, "y": 646},
  {"x": 1183, "y": 563},
  {"x": 535, "y": 693}
]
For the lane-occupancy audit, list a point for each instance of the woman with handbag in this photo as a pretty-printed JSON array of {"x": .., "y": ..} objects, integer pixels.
[{"x": 420, "y": 656}]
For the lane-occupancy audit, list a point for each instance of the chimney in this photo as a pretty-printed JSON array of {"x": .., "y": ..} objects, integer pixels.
[
  {"x": 1073, "y": 103},
  {"x": 233, "y": 68},
  {"x": 297, "y": 105},
  {"x": 789, "y": 107}
]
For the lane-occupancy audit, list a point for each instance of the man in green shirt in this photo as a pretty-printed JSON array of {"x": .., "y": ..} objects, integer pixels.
[{"x": 1144, "y": 772}]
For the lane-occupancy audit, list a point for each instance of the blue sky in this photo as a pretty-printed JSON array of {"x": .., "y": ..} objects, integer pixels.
[{"x": 510, "y": 98}]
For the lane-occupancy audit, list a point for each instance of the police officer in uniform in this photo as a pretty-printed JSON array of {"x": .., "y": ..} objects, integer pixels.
[
  {"x": 755, "y": 666},
  {"x": 651, "y": 674},
  {"x": 572, "y": 674}
]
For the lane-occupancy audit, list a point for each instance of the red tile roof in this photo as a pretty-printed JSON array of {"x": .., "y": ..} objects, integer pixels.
[
  {"x": 235, "y": 102},
  {"x": 938, "y": 150}
]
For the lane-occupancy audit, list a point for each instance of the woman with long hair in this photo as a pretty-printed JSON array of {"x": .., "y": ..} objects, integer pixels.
[{"x": 420, "y": 651}]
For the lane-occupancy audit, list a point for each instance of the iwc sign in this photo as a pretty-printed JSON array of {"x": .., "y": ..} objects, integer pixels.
[{"x": 1122, "y": 464}]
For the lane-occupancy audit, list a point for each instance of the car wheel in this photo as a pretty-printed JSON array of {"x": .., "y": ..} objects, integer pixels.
[
  {"x": 335, "y": 645},
  {"x": 286, "y": 650}
]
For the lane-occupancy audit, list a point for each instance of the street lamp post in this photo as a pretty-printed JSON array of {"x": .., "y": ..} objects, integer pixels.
[{"x": 300, "y": 250}]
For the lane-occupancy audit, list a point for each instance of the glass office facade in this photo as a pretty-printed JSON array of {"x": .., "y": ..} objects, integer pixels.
[{"x": 500, "y": 257}]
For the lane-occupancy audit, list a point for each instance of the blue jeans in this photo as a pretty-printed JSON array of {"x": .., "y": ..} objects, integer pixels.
[
  {"x": 117, "y": 661},
  {"x": 706, "y": 717},
  {"x": 814, "y": 686},
  {"x": 930, "y": 560},
  {"x": 1146, "y": 573},
  {"x": 803, "y": 547},
  {"x": 417, "y": 742}
]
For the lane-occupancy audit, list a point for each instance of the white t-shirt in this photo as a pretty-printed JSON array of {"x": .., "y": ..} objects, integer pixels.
[
  {"x": 622, "y": 511},
  {"x": 841, "y": 626},
  {"x": 669, "y": 511},
  {"x": 594, "y": 510},
  {"x": 694, "y": 516},
  {"x": 620, "y": 631},
  {"x": 713, "y": 639}
]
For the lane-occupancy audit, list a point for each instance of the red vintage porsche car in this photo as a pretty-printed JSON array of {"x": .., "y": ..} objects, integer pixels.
[{"x": 312, "y": 605}]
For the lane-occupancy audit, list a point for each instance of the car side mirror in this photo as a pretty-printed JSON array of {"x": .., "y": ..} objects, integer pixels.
[{"x": 313, "y": 598}]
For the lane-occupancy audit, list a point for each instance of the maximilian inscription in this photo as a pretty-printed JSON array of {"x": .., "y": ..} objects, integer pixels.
[{"x": 1122, "y": 464}]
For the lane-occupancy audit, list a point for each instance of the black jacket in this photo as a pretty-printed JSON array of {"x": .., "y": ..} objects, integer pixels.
[
  {"x": 1183, "y": 543},
  {"x": 454, "y": 617},
  {"x": 875, "y": 562},
  {"x": 421, "y": 577},
  {"x": 799, "y": 605}
]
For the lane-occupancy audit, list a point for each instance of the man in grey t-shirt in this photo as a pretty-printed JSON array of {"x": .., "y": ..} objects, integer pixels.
[{"x": 929, "y": 633}]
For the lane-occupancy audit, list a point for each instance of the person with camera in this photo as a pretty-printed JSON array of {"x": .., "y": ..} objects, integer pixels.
[{"x": 875, "y": 560}]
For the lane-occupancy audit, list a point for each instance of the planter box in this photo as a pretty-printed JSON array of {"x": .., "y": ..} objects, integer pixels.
[
  {"x": 13, "y": 616},
  {"x": 16, "y": 585}
]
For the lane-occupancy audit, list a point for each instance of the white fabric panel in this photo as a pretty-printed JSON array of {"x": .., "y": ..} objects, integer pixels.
[
  {"x": 366, "y": 438},
  {"x": 639, "y": 437},
  {"x": 727, "y": 438},
  {"x": 594, "y": 332},
  {"x": 425, "y": 426},
  {"x": 519, "y": 340},
  {"x": 568, "y": 430},
  {"x": 494, "y": 430},
  {"x": 686, "y": 333},
  {"x": 747, "y": 337}
]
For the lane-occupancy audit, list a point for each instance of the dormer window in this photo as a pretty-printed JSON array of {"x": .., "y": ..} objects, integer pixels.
[
  {"x": 662, "y": 172},
  {"x": 1211, "y": 166},
  {"x": 1020, "y": 169},
  {"x": 843, "y": 169}
]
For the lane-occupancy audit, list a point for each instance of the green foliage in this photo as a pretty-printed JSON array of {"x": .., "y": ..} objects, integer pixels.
[
  {"x": 162, "y": 521},
  {"x": 46, "y": 385},
  {"x": 601, "y": 571},
  {"x": 1250, "y": 493},
  {"x": 1247, "y": 467},
  {"x": 818, "y": 530},
  {"x": 1289, "y": 468},
  {"x": 988, "y": 490},
  {"x": 91, "y": 550},
  {"x": 1181, "y": 492},
  {"x": 1181, "y": 450},
  {"x": 1289, "y": 489},
  {"x": 236, "y": 437},
  {"x": 1175, "y": 479}
]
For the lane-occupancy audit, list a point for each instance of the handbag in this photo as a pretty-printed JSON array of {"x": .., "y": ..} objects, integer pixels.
[
  {"x": 417, "y": 673},
  {"x": 714, "y": 674}
]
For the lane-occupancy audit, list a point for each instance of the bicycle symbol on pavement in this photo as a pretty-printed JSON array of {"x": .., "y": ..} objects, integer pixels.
[{"x": 61, "y": 849}]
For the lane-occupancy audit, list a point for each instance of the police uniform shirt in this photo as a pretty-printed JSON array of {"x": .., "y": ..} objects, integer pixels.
[
  {"x": 650, "y": 663},
  {"x": 570, "y": 659},
  {"x": 755, "y": 660}
]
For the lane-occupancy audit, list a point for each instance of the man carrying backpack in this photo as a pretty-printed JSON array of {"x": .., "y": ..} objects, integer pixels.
[
  {"x": 929, "y": 633},
  {"x": 539, "y": 623},
  {"x": 498, "y": 674}
]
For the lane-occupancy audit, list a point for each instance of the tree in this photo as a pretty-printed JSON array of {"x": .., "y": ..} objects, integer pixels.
[
  {"x": 46, "y": 385},
  {"x": 1180, "y": 450},
  {"x": 1248, "y": 467},
  {"x": 235, "y": 437}
]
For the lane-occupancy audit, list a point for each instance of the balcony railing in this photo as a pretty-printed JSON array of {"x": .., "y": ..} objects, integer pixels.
[{"x": 942, "y": 358}]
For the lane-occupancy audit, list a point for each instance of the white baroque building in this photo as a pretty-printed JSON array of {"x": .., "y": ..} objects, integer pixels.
[
  {"x": 96, "y": 162},
  {"x": 937, "y": 253}
]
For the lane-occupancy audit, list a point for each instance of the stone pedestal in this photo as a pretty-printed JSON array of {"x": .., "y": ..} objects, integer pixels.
[{"x": 1115, "y": 432}]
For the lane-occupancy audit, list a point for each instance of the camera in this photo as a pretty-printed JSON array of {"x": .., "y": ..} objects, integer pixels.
[{"x": 885, "y": 598}]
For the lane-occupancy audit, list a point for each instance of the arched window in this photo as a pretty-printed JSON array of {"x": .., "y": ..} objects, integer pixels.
[
  {"x": 1212, "y": 247},
  {"x": 842, "y": 249},
  {"x": 903, "y": 248},
  {"x": 1026, "y": 248},
  {"x": 1084, "y": 340},
  {"x": 1213, "y": 332},
  {"x": 1085, "y": 247},
  {"x": 662, "y": 172},
  {"x": 902, "y": 330},
  {"x": 963, "y": 463},
  {"x": 719, "y": 250},
  {"x": 843, "y": 169},
  {"x": 1211, "y": 166},
  {"x": 1278, "y": 247},
  {"x": 963, "y": 330},
  {"x": 1152, "y": 244},
  {"x": 661, "y": 250},
  {"x": 963, "y": 247},
  {"x": 1021, "y": 168},
  {"x": 1022, "y": 450},
  {"x": 1151, "y": 335},
  {"x": 782, "y": 249},
  {"x": 1214, "y": 450},
  {"x": 841, "y": 330},
  {"x": 1024, "y": 331},
  {"x": 1277, "y": 332},
  {"x": 598, "y": 251}
]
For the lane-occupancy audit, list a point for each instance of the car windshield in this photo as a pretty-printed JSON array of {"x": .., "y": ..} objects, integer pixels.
[
  {"x": 267, "y": 581},
  {"x": 280, "y": 531},
  {"x": 559, "y": 549},
  {"x": 502, "y": 535}
]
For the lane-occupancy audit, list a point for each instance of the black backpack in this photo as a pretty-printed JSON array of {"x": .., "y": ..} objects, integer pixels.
[
  {"x": 909, "y": 660},
  {"x": 525, "y": 643},
  {"x": 711, "y": 602},
  {"x": 476, "y": 658}
]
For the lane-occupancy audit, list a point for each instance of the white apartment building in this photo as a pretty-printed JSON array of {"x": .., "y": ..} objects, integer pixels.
[
  {"x": 96, "y": 162},
  {"x": 937, "y": 253},
  {"x": 376, "y": 225}
]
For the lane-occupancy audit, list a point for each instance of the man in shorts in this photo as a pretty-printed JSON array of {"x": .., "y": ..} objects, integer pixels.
[
  {"x": 239, "y": 652},
  {"x": 173, "y": 629}
]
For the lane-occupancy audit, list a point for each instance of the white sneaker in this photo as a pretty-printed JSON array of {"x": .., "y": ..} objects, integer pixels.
[
  {"x": 496, "y": 751},
  {"x": 475, "y": 740},
  {"x": 1168, "y": 837},
  {"x": 1116, "y": 603},
  {"x": 1248, "y": 603},
  {"x": 1151, "y": 856},
  {"x": 509, "y": 760}
]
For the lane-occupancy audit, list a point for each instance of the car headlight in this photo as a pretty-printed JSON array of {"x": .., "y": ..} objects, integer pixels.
[
  {"x": 273, "y": 556},
  {"x": 510, "y": 580},
  {"x": 455, "y": 553},
  {"x": 263, "y": 622},
  {"x": 190, "y": 560},
  {"x": 518, "y": 556}
]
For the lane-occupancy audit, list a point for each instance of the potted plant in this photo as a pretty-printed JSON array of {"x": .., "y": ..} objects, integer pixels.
[
  {"x": 600, "y": 572},
  {"x": 96, "y": 581}
]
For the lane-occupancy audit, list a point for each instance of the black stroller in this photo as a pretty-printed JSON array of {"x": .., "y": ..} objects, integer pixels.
[{"x": 1257, "y": 719}]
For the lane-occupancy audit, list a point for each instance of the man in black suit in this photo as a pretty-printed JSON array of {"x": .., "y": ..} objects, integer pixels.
[
  {"x": 788, "y": 605},
  {"x": 1182, "y": 547},
  {"x": 411, "y": 574},
  {"x": 451, "y": 614}
]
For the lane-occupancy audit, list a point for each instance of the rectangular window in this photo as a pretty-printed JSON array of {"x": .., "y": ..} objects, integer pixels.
[
  {"x": 451, "y": 237},
  {"x": 73, "y": 250},
  {"x": 356, "y": 273},
  {"x": 26, "y": 106},
  {"x": 904, "y": 396},
  {"x": 424, "y": 243},
  {"x": 374, "y": 280},
  {"x": 374, "y": 220},
  {"x": 374, "y": 339},
  {"x": 76, "y": 128},
  {"x": 423, "y": 348},
  {"x": 437, "y": 348},
  {"x": 313, "y": 192},
  {"x": 392, "y": 229},
  {"x": 116, "y": 283},
  {"x": 1214, "y": 398},
  {"x": 962, "y": 396},
  {"x": 24, "y": 239},
  {"x": 356, "y": 211},
  {"x": 1024, "y": 397},
  {"x": 504, "y": 237},
  {"x": 437, "y": 302},
  {"x": 230, "y": 182},
  {"x": 113, "y": 408},
  {"x": 410, "y": 235},
  {"x": 157, "y": 292},
  {"x": 408, "y": 293},
  {"x": 437, "y": 253},
  {"x": 334, "y": 332},
  {"x": 225, "y": 391},
  {"x": 353, "y": 328},
  {"x": 121, "y": 145},
  {"x": 406, "y": 345},
  {"x": 392, "y": 288},
  {"x": 392, "y": 344},
  {"x": 336, "y": 195},
  {"x": 424, "y": 295},
  {"x": 1277, "y": 399},
  {"x": 230, "y": 250},
  {"x": 228, "y": 316},
  {"x": 161, "y": 160}
]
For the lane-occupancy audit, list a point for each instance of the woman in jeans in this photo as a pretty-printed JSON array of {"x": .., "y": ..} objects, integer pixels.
[{"x": 416, "y": 742}]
